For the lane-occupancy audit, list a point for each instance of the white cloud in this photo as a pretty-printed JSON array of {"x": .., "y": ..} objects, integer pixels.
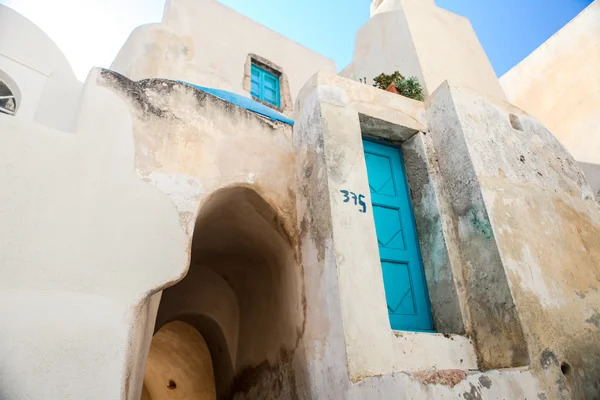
[{"x": 90, "y": 33}]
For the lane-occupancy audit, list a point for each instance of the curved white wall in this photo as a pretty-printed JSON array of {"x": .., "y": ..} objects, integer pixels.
[
  {"x": 559, "y": 83},
  {"x": 84, "y": 242},
  {"x": 49, "y": 90}
]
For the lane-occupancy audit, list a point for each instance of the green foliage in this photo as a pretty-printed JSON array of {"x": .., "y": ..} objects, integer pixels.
[
  {"x": 384, "y": 80},
  {"x": 409, "y": 87}
]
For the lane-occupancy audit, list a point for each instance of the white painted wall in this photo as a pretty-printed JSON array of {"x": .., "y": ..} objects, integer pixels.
[
  {"x": 84, "y": 242},
  {"x": 26, "y": 84},
  {"x": 47, "y": 87},
  {"x": 417, "y": 38},
  {"x": 206, "y": 43},
  {"x": 559, "y": 84}
]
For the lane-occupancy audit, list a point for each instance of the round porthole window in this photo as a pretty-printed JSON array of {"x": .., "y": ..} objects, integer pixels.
[{"x": 8, "y": 101}]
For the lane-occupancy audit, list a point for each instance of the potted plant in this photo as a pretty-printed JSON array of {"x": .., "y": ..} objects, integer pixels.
[{"x": 397, "y": 83}]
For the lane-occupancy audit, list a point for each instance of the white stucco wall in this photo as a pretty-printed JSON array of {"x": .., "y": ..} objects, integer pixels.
[
  {"x": 206, "y": 43},
  {"x": 559, "y": 84},
  {"x": 48, "y": 89},
  {"x": 84, "y": 242},
  {"x": 417, "y": 38}
]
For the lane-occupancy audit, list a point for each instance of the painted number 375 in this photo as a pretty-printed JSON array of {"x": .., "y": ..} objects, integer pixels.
[{"x": 358, "y": 200}]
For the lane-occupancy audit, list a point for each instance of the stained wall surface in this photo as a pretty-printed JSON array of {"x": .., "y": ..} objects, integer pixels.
[
  {"x": 227, "y": 170},
  {"x": 558, "y": 83},
  {"x": 533, "y": 201},
  {"x": 133, "y": 183},
  {"x": 520, "y": 227}
]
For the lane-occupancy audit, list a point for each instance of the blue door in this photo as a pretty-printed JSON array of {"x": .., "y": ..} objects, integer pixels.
[{"x": 403, "y": 275}]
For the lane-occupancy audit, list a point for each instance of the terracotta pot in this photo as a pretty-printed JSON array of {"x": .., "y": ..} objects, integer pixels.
[{"x": 392, "y": 88}]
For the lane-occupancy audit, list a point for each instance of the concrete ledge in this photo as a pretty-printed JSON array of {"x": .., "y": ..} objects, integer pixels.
[
  {"x": 413, "y": 352},
  {"x": 382, "y": 108}
]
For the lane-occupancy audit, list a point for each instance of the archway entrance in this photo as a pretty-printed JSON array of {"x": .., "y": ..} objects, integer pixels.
[{"x": 242, "y": 295}]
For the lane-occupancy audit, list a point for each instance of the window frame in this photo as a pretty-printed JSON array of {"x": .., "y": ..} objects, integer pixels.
[
  {"x": 264, "y": 75},
  {"x": 6, "y": 97}
]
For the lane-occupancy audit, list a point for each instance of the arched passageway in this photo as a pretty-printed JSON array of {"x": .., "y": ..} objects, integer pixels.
[
  {"x": 242, "y": 294},
  {"x": 179, "y": 365}
]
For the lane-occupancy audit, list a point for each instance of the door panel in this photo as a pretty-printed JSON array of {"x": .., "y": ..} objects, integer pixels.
[
  {"x": 398, "y": 288},
  {"x": 403, "y": 275}
]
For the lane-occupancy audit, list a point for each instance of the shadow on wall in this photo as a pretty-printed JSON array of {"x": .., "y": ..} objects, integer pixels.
[{"x": 243, "y": 295}]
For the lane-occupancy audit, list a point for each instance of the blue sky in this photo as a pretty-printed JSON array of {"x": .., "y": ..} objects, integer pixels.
[{"x": 509, "y": 30}]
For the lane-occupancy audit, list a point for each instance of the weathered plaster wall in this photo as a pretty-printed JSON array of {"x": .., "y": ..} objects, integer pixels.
[
  {"x": 48, "y": 91},
  {"x": 325, "y": 147},
  {"x": 324, "y": 339},
  {"x": 592, "y": 173},
  {"x": 437, "y": 235},
  {"x": 339, "y": 243},
  {"x": 417, "y": 38},
  {"x": 533, "y": 204},
  {"x": 520, "y": 230},
  {"x": 131, "y": 179},
  {"x": 496, "y": 327},
  {"x": 380, "y": 113},
  {"x": 451, "y": 384},
  {"x": 190, "y": 145},
  {"x": 558, "y": 83},
  {"x": 206, "y": 43}
]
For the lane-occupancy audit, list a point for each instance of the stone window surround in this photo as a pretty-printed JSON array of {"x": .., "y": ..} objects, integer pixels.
[{"x": 286, "y": 105}]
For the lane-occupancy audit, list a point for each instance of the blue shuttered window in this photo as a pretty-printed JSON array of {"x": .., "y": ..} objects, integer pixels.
[{"x": 265, "y": 86}]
